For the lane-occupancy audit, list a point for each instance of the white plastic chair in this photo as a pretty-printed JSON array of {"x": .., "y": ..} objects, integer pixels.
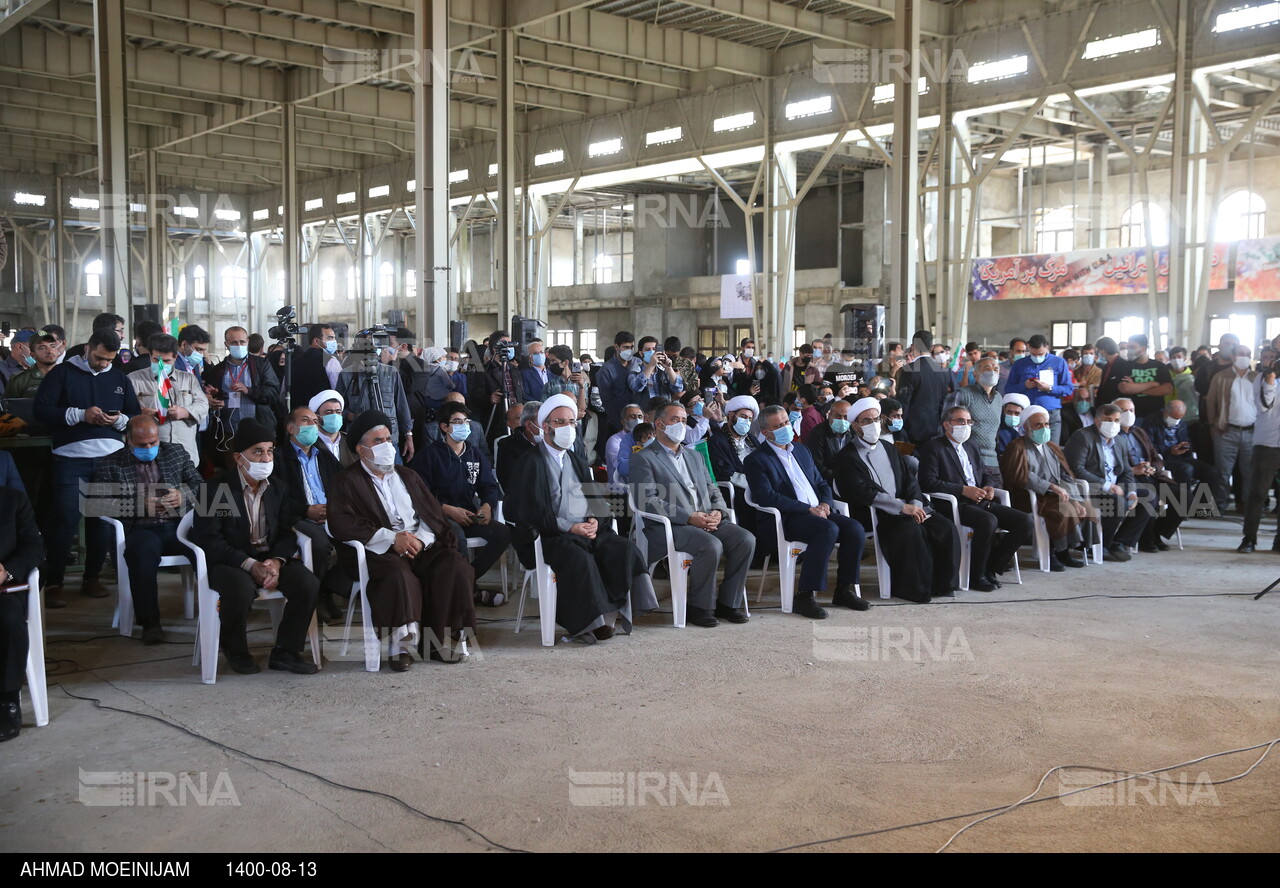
[
  {"x": 789, "y": 552},
  {"x": 546, "y": 590},
  {"x": 1040, "y": 535},
  {"x": 678, "y": 563},
  {"x": 966, "y": 537},
  {"x": 37, "y": 684},
  {"x": 208, "y": 625},
  {"x": 359, "y": 596},
  {"x": 124, "y": 618},
  {"x": 883, "y": 577}
]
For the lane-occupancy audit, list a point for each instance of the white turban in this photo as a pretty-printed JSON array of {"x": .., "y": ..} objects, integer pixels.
[
  {"x": 743, "y": 402},
  {"x": 1014, "y": 398},
  {"x": 432, "y": 353},
  {"x": 560, "y": 400},
  {"x": 326, "y": 395},
  {"x": 863, "y": 404},
  {"x": 1028, "y": 414}
]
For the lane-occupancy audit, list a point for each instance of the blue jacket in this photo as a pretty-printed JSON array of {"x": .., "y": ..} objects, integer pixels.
[
  {"x": 70, "y": 385},
  {"x": 1164, "y": 438},
  {"x": 458, "y": 480},
  {"x": 615, "y": 393},
  {"x": 532, "y": 383},
  {"x": 1024, "y": 369},
  {"x": 770, "y": 485}
]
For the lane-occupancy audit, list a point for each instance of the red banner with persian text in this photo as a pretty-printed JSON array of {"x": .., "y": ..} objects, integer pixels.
[{"x": 1080, "y": 273}]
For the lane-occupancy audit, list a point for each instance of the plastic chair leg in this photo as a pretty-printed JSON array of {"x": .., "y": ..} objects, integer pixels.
[{"x": 37, "y": 683}]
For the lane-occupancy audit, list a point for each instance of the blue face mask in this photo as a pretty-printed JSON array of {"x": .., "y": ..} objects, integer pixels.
[
  {"x": 162, "y": 369},
  {"x": 742, "y": 426},
  {"x": 794, "y": 416},
  {"x": 648, "y": 355},
  {"x": 895, "y": 425},
  {"x": 331, "y": 346},
  {"x": 538, "y": 360},
  {"x": 840, "y": 426},
  {"x": 697, "y": 409},
  {"x": 1012, "y": 421},
  {"x": 308, "y": 435},
  {"x": 1038, "y": 359},
  {"x": 647, "y": 442},
  {"x": 783, "y": 436},
  {"x": 195, "y": 359},
  {"x": 460, "y": 431},
  {"x": 239, "y": 352},
  {"x": 30, "y": 361},
  {"x": 1041, "y": 436},
  {"x": 147, "y": 454},
  {"x": 509, "y": 353},
  {"x": 332, "y": 423}
]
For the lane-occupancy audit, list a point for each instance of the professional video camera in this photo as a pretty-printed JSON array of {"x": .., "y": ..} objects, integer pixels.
[
  {"x": 377, "y": 337},
  {"x": 286, "y": 328}
]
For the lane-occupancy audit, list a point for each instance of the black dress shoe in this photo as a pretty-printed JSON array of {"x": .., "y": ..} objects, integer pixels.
[
  {"x": 1162, "y": 546},
  {"x": 453, "y": 659},
  {"x": 1117, "y": 553},
  {"x": 288, "y": 661},
  {"x": 993, "y": 579},
  {"x": 806, "y": 606},
  {"x": 699, "y": 617},
  {"x": 400, "y": 662},
  {"x": 243, "y": 663},
  {"x": 1055, "y": 564},
  {"x": 981, "y": 585},
  {"x": 949, "y": 593},
  {"x": 1069, "y": 560},
  {"x": 732, "y": 614},
  {"x": 1149, "y": 548},
  {"x": 1245, "y": 547},
  {"x": 844, "y": 597},
  {"x": 152, "y": 635},
  {"x": 10, "y": 721},
  {"x": 603, "y": 633}
]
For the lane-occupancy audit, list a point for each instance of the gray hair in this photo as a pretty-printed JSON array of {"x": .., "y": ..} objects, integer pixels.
[
  {"x": 629, "y": 406},
  {"x": 772, "y": 410},
  {"x": 529, "y": 412}
]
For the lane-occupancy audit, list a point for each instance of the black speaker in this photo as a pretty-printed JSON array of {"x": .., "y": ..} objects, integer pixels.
[
  {"x": 864, "y": 334},
  {"x": 457, "y": 335},
  {"x": 523, "y": 331},
  {"x": 147, "y": 312}
]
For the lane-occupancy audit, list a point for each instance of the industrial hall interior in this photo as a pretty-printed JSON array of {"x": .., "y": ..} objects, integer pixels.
[{"x": 809, "y": 426}]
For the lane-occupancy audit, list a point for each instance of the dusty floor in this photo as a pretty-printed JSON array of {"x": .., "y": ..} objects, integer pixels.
[{"x": 741, "y": 738}]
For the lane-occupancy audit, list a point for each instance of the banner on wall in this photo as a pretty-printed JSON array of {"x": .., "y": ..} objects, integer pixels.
[
  {"x": 735, "y": 296},
  {"x": 1080, "y": 273},
  {"x": 1258, "y": 270}
]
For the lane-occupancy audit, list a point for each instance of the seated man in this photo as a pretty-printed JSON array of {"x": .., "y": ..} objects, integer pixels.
[
  {"x": 21, "y": 550},
  {"x": 829, "y": 438},
  {"x": 728, "y": 445},
  {"x": 1031, "y": 462},
  {"x": 432, "y": 429},
  {"x": 309, "y": 469},
  {"x": 1155, "y": 484},
  {"x": 781, "y": 475},
  {"x": 1099, "y": 456},
  {"x": 1171, "y": 437},
  {"x": 176, "y": 400},
  {"x": 671, "y": 480},
  {"x": 516, "y": 445},
  {"x": 416, "y": 573},
  {"x": 921, "y": 545},
  {"x": 1011, "y": 420},
  {"x": 244, "y": 524},
  {"x": 619, "y": 445},
  {"x": 329, "y": 407},
  {"x": 148, "y": 486},
  {"x": 457, "y": 470},
  {"x": 551, "y": 497},
  {"x": 952, "y": 464}
]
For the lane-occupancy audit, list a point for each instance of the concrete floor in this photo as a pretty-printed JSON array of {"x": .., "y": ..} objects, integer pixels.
[{"x": 782, "y": 731}]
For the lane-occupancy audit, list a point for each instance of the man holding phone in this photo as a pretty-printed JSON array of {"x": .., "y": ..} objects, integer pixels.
[
  {"x": 86, "y": 402},
  {"x": 652, "y": 375}
]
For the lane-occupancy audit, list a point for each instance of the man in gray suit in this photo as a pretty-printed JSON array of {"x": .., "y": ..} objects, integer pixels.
[{"x": 671, "y": 480}]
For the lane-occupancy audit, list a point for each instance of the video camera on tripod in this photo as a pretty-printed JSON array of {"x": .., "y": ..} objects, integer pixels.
[{"x": 286, "y": 328}]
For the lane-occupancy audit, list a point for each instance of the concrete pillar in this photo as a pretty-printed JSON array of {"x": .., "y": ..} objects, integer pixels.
[
  {"x": 113, "y": 154},
  {"x": 508, "y": 234},
  {"x": 292, "y": 220},
  {"x": 431, "y": 165},
  {"x": 905, "y": 189}
]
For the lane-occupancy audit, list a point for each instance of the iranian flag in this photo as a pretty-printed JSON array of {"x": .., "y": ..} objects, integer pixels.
[{"x": 164, "y": 391}]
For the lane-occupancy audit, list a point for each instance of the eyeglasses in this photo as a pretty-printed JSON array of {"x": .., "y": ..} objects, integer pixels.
[{"x": 960, "y": 422}]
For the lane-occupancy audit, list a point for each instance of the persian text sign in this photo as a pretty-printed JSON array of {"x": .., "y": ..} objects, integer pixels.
[
  {"x": 1080, "y": 273},
  {"x": 1258, "y": 270}
]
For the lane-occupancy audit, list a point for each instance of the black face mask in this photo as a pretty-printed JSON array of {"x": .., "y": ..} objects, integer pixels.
[{"x": 554, "y": 369}]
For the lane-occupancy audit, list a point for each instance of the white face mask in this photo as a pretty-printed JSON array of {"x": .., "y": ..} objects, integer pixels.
[
  {"x": 1172, "y": 421},
  {"x": 1242, "y": 362},
  {"x": 1128, "y": 418},
  {"x": 1178, "y": 364},
  {"x": 675, "y": 432},
  {"x": 942, "y": 358},
  {"x": 565, "y": 436},
  {"x": 258, "y": 471},
  {"x": 1109, "y": 429},
  {"x": 870, "y": 433},
  {"x": 384, "y": 455},
  {"x": 748, "y": 352},
  {"x": 960, "y": 433}
]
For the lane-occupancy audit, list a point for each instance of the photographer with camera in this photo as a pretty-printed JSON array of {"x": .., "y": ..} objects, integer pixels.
[
  {"x": 652, "y": 374},
  {"x": 498, "y": 386},
  {"x": 367, "y": 383}
]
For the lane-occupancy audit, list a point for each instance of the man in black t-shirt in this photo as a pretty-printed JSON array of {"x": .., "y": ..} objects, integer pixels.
[{"x": 1143, "y": 380}]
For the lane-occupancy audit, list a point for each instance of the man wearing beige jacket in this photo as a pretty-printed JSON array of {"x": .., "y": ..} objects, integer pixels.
[
  {"x": 1231, "y": 413},
  {"x": 176, "y": 400}
]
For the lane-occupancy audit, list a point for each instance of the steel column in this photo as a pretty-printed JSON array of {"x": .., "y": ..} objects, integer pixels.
[
  {"x": 292, "y": 221},
  {"x": 905, "y": 190},
  {"x": 507, "y": 212},
  {"x": 113, "y": 153},
  {"x": 431, "y": 167}
]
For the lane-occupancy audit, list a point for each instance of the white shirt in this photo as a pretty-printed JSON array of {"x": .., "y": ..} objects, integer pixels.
[
  {"x": 399, "y": 508},
  {"x": 965, "y": 464},
  {"x": 334, "y": 446},
  {"x": 804, "y": 490},
  {"x": 1241, "y": 410}
]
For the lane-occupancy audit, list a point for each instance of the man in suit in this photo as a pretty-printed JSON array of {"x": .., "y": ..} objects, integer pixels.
[
  {"x": 244, "y": 523},
  {"x": 308, "y": 470},
  {"x": 781, "y": 475},
  {"x": 1155, "y": 484},
  {"x": 671, "y": 480},
  {"x": 315, "y": 369},
  {"x": 1031, "y": 462},
  {"x": 922, "y": 546},
  {"x": 330, "y": 408},
  {"x": 517, "y": 444},
  {"x": 534, "y": 376},
  {"x": 1170, "y": 432},
  {"x": 1101, "y": 457},
  {"x": 553, "y": 496},
  {"x": 417, "y": 577},
  {"x": 21, "y": 550},
  {"x": 828, "y": 438},
  {"x": 952, "y": 464},
  {"x": 922, "y": 387},
  {"x": 243, "y": 386},
  {"x": 148, "y": 485}
]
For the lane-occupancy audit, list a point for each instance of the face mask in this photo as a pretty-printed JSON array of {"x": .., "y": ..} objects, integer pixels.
[
  {"x": 942, "y": 358},
  {"x": 1018, "y": 356},
  {"x": 1172, "y": 421},
  {"x": 258, "y": 471},
  {"x": 1041, "y": 436},
  {"x": 840, "y": 426},
  {"x": 332, "y": 423},
  {"x": 508, "y": 353},
  {"x": 147, "y": 454},
  {"x": 239, "y": 352},
  {"x": 629, "y": 425},
  {"x": 451, "y": 366},
  {"x": 870, "y": 433},
  {"x": 722, "y": 385},
  {"x": 989, "y": 379},
  {"x": 827, "y": 399},
  {"x": 697, "y": 409},
  {"x": 748, "y": 352},
  {"x": 162, "y": 369},
  {"x": 1083, "y": 406},
  {"x": 538, "y": 360},
  {"x": 384, "y": 454},
  {"x": 961, "y": 433},
  {"x": 1012, "y": 421},
  {"x": 626, "y": 354},
  {"x": 331, "y": 346},
  {"x": 1087, "y": 360},
  {"x": 565, "y": 436},
  {"x": 1127, "y": 418},
  {"x": 1242, "y": 363},
  {"x": 30, "y": 361},
  {"x": 1178, "y": 364},
  {"x": 741, "y": 427},
  {"x": 1037, "y": 359},
  {"x": 675, "y": 432},
  {"x": 308, "y": 435},
  {"x": 782, "y": 437},
  {"x": 647, "y": 441},
  {"x": 895, "y": 425},
  {"x": 794, "y": 416},
  {"x": 1109, "y": 430},
  {"x": 460, "y": 432},
  {"x": 817, "y": 353}
]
